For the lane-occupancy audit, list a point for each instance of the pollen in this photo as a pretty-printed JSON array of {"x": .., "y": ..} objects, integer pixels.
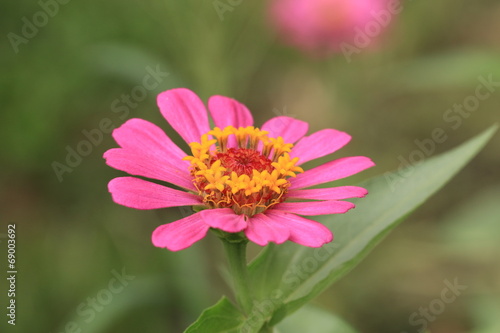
[{"x": 242, "y": 169}]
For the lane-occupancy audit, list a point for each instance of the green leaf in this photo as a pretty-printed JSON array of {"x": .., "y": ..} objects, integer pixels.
[
  {"x": 288, "y": 276},
  {"x": 312, "y": 319},
  {"x": 223, "y": 317}
]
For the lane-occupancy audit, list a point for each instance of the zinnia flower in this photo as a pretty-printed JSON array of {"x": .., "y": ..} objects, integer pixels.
[
  {"x": 322, "y": 26},
  {"x": 246, "y": 179}
]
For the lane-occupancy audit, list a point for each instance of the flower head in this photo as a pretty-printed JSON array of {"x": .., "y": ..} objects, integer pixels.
[
  {"x": 245, "y": 179},
  {"x": 247, "y": 174},
  {"x": 322, "y": 26}
]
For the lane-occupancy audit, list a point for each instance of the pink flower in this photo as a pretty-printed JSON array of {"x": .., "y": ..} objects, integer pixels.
[
  {"x": 321, "y": 26},
  {"x": 243, "y": 175}
]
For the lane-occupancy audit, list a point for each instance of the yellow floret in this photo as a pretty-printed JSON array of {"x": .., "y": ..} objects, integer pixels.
[
  {"x": 286, "y": 166},
  {"x": 247, "y": 194},
  {"x": 279, "y": 146},
  {"x": 201, "y": 150},
  {"x": 222, "y": 135}
]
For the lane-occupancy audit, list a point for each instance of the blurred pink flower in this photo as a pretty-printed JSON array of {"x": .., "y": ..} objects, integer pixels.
[
  {"x": 321, "y": 27},
  {"x": 241, "y": 175}
]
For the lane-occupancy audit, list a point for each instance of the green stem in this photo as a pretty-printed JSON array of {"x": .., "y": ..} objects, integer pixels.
[{"x": 236, "y": 254}]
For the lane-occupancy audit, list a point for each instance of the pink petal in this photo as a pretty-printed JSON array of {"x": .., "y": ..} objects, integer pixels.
[
  {"x": 139, "y": 135},
  {"x": 226, "y": 111},
  {"x": 332, "y": 193},
  {"x": 302, "y": 231},
  {"x": 139, "y": 164},
  {"x": 140, "y": 194},
  {"x": 319, "y": 144},
  {"x": 185, "y": 112},
  {"x": 224, "y": 219},
  {"x": 289, "y": 129},
  {"x": 315, "y": 207},
  {"x": 331, "y": 171},
  {"x": 262, "y": 229},
  {"x": 180, "y": 234}
]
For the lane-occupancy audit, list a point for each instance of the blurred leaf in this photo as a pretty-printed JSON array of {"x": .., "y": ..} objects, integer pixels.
[
  {"x": 456, "y": 69},
  {"x": 308, "y": 317},
  {"x": 485, "y": 312},
  {"x": 289, "y": 276},
  {"x": 223, "y": 317},
  {"x": 475, "y": 224}
]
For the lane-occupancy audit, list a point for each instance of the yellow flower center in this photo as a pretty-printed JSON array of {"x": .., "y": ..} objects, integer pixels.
[{"x": 249, "y": 177}]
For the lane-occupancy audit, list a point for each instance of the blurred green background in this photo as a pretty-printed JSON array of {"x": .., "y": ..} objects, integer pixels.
[{"x": 72, "y": 239}]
